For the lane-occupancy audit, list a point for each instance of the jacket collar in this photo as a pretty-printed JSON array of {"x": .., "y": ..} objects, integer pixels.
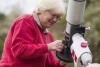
[{"x": 39, "y": 23}]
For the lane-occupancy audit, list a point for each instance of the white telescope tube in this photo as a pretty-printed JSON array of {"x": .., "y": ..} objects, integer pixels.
[{"x": 75, "y": 13}]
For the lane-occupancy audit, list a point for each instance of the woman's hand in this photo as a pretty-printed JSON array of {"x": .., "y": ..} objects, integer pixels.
[
  {"x": 62, "y": 63},
  {"x": 55, "y": 46}
]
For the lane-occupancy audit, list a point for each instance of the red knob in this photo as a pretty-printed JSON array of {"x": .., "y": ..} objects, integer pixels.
[{"x": 83, "y": 44}]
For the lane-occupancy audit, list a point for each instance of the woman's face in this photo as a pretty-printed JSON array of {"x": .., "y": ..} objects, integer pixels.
[{"x": 48, "y": 18}]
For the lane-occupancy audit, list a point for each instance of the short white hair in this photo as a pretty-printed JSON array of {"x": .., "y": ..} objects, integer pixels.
[{"x": 56, "y": 6}]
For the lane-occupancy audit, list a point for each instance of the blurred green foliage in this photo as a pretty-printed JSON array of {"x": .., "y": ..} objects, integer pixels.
[
  {"x": 5, "y": 23},
  {"x": 91, "y": 18}
]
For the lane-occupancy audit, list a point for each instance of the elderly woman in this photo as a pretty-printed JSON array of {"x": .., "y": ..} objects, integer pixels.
[{"x": 29, "y": 43}]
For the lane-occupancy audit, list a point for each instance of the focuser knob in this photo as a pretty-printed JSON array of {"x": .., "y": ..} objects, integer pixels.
[{"x": 87, "y": 28}]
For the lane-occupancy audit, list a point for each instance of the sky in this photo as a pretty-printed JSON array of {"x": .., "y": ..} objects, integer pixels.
[{"x": 26, "y": 6}]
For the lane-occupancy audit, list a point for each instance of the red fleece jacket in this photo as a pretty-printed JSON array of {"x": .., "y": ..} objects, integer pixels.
[{"x": 26, "y": 45}]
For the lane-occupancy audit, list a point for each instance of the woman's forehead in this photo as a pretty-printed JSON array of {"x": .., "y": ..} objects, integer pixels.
[{"x": 55, "y": 12}]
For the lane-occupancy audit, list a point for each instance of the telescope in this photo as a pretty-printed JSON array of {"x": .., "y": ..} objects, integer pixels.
[{"x": 76, "y": 48}]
